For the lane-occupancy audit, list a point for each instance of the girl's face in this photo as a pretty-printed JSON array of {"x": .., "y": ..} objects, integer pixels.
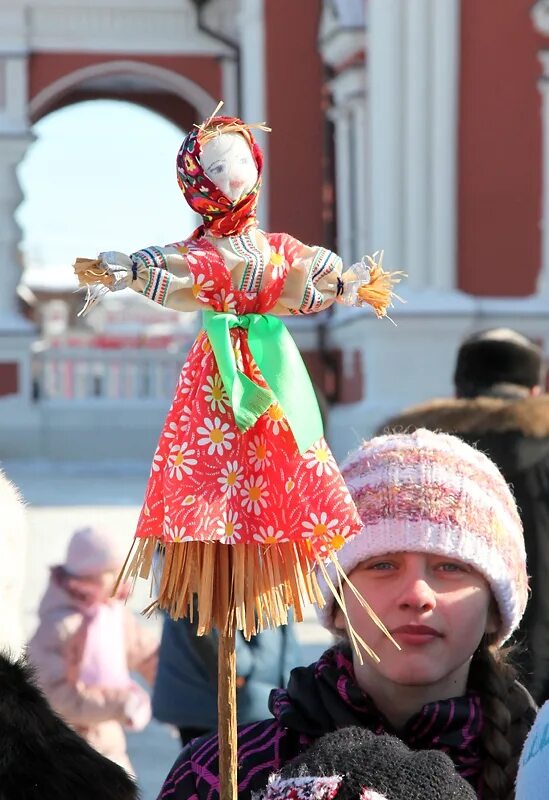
[
  {"x": 227, "y": 161},
  {"x": 436, "y": 608}
]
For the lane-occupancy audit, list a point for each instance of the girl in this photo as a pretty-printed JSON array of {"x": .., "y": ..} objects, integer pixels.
[
  {"x": 441, "y": 560},
  {"x": 86, "y": 644}
]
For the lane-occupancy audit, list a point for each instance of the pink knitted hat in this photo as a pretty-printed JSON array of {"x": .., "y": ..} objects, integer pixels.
[
  {"x": 92, "y": 551},
  {"x": 432, "y": 493}
]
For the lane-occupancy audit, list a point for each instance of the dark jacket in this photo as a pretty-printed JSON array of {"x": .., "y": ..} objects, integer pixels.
[
  {"x": 41, "y": 758},
  {"x": 515, "y": 435},
  {"x": 320, "y": 699},
  {"x": 185, "y": 690}
]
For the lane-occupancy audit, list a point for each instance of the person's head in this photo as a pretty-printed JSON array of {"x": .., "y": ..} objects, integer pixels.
[
  {"x": 93, "y": 561},
  {"x": 356, "y": 764},
  {"x": 499, "y": 363},
  {"x": 441, "y": 561}
]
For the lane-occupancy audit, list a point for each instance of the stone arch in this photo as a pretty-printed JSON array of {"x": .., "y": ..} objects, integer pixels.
[{"x": 169, "y": 93}]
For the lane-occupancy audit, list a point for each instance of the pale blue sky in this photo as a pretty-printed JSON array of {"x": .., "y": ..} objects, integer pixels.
[{"x": 100, "y": 176}]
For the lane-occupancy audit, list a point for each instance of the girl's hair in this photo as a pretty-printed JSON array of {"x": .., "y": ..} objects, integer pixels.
[{"x": 503, "y": 734}]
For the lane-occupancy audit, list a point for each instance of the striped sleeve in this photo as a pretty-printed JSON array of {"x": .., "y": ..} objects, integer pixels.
[
  {"x": 313, "y": 279},
  {"x": 162, "y": 275}
]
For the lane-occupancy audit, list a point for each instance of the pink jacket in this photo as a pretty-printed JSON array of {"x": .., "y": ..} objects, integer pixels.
[{"x": 57, "y": 650}]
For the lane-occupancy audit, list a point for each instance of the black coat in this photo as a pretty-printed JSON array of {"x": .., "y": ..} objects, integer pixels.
[
  {"x": 41, "y": 758},
  {"x": 515, "y": 435}
]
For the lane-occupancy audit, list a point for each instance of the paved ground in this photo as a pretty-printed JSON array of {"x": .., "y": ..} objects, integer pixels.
[{"x": 63, "y": 497}]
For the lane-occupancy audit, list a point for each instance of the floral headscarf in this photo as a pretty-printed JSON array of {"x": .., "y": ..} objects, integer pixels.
[{"x": 221, "y": 216}]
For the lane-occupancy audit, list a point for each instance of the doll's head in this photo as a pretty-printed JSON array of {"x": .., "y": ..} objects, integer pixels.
[
  {"x": 219, "y": 171},
  {"x": 228, "y": 162}
]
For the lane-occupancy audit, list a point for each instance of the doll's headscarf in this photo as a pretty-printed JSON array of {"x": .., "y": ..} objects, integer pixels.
[{"x": 221, "y": 216}]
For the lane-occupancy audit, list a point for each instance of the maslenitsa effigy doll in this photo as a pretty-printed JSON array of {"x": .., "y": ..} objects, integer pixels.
[{"x": 241, "y": 459}]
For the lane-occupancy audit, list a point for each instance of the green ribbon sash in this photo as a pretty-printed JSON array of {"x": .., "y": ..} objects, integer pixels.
[{"x": 281, "y": 366}]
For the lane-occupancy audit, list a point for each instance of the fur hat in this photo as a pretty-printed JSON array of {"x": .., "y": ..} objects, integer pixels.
[
  {"x": 92, "y": 551},
  {"x": 432, "y": 493},
  {"x": 497, "y": 357},
  {"x": 40, "y": 756},
  {"x": 356, "y": 764}
]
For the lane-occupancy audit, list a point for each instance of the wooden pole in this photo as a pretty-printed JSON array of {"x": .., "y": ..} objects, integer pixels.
[{"x": 226, "y": 709}]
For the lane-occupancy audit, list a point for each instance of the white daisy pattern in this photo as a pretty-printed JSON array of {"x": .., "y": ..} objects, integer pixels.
[
  {"x": 181, "y": 461},
  {"x": 319, "y": 458},
  {"x": 171, "y": 430},
  {"x": 231, "y": 478},
  {"x": 226, "y": 300},
  {"x": 176, "y": 533},
  {"x": 215, "y": 393},
  {"x": 201, "y": 287},
  {"x": 158, "y": 460},
  {"x": 276, "y": 420},
  {"x": 268, "y": 535},
  {"x": 229, "y": 528},
  {"x": 259, "y": 456},
  {"x": 277, "y": 262},
  {"x": 255, "y": 494},
  {"x": 216, "y": 435},
  {"x": 318, "y": 526},
  {"x": 194, "y": 255}
]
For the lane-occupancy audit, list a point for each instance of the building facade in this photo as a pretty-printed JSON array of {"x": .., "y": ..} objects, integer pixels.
[{"x": 420, "y": 127}]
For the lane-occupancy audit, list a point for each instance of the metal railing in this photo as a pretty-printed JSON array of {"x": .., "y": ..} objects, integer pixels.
[{"x": 96, "y": 375}]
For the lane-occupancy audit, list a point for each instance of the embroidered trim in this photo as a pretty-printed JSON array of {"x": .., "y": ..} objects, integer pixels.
[
  {"x": 252, "y": 256},
  {"x": 322, "y": 264},
  {"x": 157, "y": 285}
]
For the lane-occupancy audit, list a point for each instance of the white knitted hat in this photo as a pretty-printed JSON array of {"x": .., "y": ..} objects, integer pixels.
[{"x": 432, "y": 493}]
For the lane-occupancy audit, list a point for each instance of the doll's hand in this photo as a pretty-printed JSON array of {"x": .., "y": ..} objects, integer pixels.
[
  {"x": 117, "y": 268},
  {"x": 137, "y": 709}
]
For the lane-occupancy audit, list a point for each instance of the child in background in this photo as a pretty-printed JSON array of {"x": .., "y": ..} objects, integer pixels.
[
  {"x": 441, "y": 561},
  {"x": 87, "y": 642}
]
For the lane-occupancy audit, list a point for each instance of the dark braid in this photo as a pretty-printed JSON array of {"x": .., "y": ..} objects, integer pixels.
[{"x": 501, "y": 742}]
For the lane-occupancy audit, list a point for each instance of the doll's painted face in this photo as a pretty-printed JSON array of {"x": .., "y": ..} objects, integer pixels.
[{"x": 227, "y": 161}]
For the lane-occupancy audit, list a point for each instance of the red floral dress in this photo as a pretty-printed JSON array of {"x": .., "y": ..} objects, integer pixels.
[{"x": 210, "y": 481}]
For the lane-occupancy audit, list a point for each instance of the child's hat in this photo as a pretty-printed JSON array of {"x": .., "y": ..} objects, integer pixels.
[
  {"x": 93, "y": 550},
  {"x": 356, "y": 764},
  {"x": 430, "y": 492}
]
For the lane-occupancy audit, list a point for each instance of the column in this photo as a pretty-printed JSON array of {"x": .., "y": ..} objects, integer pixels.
[
  {"x": 445, "y": 18},
  {"x": 362, "y": 172},
  {"x": 342, "y": 124},
  {"x": 543, "y": 84},
  {"x": 254, "y": 82},
  {"x": 416, "y": 143},
  {"x": 12, "y": 150},
  {"x": 385, "y": 127}
]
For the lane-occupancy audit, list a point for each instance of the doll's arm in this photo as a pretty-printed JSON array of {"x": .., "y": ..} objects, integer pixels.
[
  {"x": 161, "y": 274},
  {"x": 316, "y": 279}
]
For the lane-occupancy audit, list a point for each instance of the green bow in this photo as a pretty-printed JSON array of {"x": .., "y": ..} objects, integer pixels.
[{"x": 280, "y": 364}]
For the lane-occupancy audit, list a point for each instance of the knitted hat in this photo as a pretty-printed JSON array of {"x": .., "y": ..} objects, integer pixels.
[
  {"x": 497, "y": 356},
  {"x": 92, "y": 551},
  {"x": 430, "y": 492},
  {"x": 356, "y": 764},
  {"x": 534, "y": 760}
]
